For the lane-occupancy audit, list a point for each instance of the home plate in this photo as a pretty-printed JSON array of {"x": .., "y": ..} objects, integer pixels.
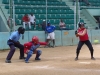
[{"x": 85, "y": 62}]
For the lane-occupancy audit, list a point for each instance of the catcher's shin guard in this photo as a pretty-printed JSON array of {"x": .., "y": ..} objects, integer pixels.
[
  {"x": 39, "y": 52},
  {"x": 28, "y": 56},
  {"x": 31, "y": 52}
]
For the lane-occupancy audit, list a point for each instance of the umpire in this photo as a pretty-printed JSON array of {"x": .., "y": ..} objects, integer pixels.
[
  {"x": 83, "y": 39},
  {"x": 13, "y": 42}
]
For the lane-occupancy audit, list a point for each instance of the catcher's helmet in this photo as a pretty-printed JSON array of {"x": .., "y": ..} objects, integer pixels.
[
  {"x": 21, "y": 30},
  {"x": 35, "y": 39}
]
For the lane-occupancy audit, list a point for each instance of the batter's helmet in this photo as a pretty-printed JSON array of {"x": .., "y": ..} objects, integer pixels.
[
  {"x": 80, "y": 24},
  {"x": 35, "y": 39},
  {"x": 21, "y": 30}
]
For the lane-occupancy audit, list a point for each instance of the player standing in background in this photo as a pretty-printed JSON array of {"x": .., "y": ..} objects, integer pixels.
[
  {"x": 83, "y": 39},
  {"x": 51, "y": 35},
  {"x": 13, "y": 42},
  {"x": 31, "y": 48}
]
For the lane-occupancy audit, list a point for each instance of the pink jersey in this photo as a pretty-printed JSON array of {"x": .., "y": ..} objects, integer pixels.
[{"x": 84, "y": 37}]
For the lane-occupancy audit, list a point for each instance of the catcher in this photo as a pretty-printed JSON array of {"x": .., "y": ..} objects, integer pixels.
[
  {"x": 83, "y": 39},
  {"x": 31, "y": 48}
]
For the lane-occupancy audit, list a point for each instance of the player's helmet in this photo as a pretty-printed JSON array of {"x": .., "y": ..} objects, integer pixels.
[
  {"x": 35, "y": 39},
  {"x": 80, "y": 24},
  {"x": 21, "y": 30},
  {"x": 48, "y": 23}
]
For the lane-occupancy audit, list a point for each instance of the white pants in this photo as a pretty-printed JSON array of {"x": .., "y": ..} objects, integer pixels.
[
  {"x": 24, "y": 23},
  {"x": 51, "y": 36},
  {"x": 32, "y": 22}
]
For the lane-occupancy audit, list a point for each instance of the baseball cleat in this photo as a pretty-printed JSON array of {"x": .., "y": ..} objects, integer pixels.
[
  {"x": 7, "y": 61},
  {"x": 92, "y": 58},
  {"x": 37, "y": 59},
  {"x": 26, "y": 62},
  {"x": 22, "y": 57},
  {"x": 76, "y": 58}
]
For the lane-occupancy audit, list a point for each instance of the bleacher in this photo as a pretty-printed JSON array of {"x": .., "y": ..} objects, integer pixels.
[
  {"x": 38, "y": 8},
  {"x": 95, "y": 3}
]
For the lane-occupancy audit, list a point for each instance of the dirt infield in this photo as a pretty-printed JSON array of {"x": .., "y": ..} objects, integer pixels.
[{"x": 55, "y": 61}]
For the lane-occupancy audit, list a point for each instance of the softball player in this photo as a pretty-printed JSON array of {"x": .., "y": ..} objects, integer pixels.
[
  {"x": 51, "y": 35},
  {"x": 83, "y": 39},
  {"x": 31, "y": 48},
  {"x": 13, "y": 42}
]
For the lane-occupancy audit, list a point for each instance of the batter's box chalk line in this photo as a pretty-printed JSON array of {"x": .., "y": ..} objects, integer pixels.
[{"x": 85, "y": 62}]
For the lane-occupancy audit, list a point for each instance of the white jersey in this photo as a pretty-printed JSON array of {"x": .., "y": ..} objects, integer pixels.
[{"x": 32, "y": 18}]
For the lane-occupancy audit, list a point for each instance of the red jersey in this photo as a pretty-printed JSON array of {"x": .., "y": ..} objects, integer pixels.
[
  {"x": 25, "y": 19},
  {"x": 28, "y": 45},
  {"x": 84, "y": 37}
]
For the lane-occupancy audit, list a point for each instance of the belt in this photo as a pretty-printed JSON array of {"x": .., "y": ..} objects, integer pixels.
[{"x": 49, "y": 32}]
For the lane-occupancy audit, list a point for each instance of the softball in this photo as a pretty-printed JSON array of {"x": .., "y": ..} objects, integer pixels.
[{"x": 96, "y": 41}]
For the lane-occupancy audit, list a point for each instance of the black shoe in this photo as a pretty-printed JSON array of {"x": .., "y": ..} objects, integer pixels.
[
  {"x": 22, "y": 57},
  {"x": 92, "y": 58},
  {"x": 7, "y": 61},
  {"x": 37, "y": 59},
  {"x": 76, "y": 58}
]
